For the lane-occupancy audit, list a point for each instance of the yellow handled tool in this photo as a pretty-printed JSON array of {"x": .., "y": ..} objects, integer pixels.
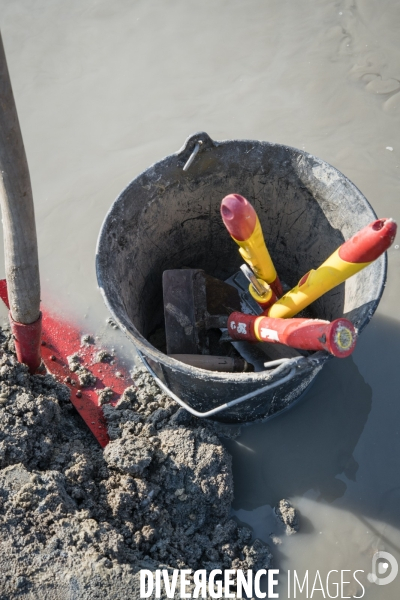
[
  {"x": 244, "y": 226},
  {"x": 350, "y": 258}
]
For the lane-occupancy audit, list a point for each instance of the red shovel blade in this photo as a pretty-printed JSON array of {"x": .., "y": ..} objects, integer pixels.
[{"x": 60, "y": 340}]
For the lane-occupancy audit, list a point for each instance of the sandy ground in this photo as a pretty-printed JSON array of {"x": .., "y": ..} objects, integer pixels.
[
  {"x": 104, "y": 89},
  {"x": 77, "y": 522}
]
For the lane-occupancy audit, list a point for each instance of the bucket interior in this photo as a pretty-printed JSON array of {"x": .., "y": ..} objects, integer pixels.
[{"x": 168, "y": 218}]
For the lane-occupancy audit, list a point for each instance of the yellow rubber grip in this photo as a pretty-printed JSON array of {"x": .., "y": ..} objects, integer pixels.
[
  {"x": 257, "y": 297},
  {"x": 256, "y": 328},
  {"x": 314, "y": 284},
  {"x": 255, "y": 253}
]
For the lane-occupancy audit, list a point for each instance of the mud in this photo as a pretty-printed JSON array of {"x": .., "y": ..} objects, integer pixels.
[
  {"x": 287, "y": 514},
  {"x": 98, "y": 104},
  {"x": 77, "y": 522}
]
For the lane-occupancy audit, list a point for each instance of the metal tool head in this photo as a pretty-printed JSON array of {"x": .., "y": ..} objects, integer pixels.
[
  {"x": 261, "y": 290},
  {"x": 194, "y": 302}
]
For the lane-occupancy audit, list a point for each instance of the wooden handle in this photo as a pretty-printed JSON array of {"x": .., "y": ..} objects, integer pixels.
[{"x": 20, "y": 244}]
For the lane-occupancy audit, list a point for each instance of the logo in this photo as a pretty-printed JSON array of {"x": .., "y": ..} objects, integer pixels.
[{"x": 381, "y": 562}]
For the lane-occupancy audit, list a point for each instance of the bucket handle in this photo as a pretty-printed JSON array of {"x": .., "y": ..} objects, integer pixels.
[
  {"x": 294, "y": 362},
  {"x": 195, "y": 143},
  {"x": 193, "y": 155}
]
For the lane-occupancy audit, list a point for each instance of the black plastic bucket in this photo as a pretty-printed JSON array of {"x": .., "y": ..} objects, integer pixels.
[{"x": 168, "y": 218}]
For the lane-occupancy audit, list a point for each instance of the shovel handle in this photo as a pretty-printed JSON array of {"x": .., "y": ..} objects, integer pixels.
[{"x": 20, "y": 244}]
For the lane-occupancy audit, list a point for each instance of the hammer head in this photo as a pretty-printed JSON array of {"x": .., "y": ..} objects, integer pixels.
[{"x": 193, "y": 303}]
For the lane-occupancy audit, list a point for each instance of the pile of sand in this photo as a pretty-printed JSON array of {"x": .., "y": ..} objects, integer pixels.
[{"x": 77, "y": 522}]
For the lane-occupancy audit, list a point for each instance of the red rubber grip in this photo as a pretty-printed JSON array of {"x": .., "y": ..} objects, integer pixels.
[
  {"x": 339, "y": 337},
  {"x": 241, "y": 327},
  {"x": 27, "y": 342},
  {"x": 276, "y": 287},
  {"x": 370, "y": 242},
  {"x": 239, "y": 216}
]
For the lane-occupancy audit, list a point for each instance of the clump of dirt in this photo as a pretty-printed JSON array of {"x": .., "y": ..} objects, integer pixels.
[
  {"x": 87, "y": 339},
  {"x": 85, "y": 377},
  {"x": 103, "y": 356},
  {"x": 80, "y": 522},
  {"x": 112, "y": 323},
  {"x": 105, "y": 395},
  {"x": 74, "y": 362},
  {"x": 287, "y": 514}
]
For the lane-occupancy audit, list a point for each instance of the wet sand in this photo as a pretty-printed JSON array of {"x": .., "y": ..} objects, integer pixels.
[
  {"x": 104, "y": 90},
  {"x": 77, "y": 521}
]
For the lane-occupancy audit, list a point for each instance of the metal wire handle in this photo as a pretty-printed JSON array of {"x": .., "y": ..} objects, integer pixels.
[
  {"x": 209, "y": 413},
  {"x": 193, "y": 155}
]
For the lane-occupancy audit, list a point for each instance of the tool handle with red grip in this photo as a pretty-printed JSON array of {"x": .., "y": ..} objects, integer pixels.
[
  {"x": 351, "y": 257},
  {"x": 338, "y": 337},
  {"x": 370, "y": 242},
  {"x": 27, "y": 339},
  {"x": 244, "y": 226}
]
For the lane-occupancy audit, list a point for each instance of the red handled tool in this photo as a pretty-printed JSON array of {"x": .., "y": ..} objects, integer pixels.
[
  {"x": 38, "y": 334},
  {"x": 244, "y": 226},
  {"x": 61, "y": 339},
  {"x": 338, "y": 338}
]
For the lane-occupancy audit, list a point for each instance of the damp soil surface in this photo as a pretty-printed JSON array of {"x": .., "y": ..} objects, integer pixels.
[
  {"x": 80, "y": 522},
  {"x": 105, "y": 89}
]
